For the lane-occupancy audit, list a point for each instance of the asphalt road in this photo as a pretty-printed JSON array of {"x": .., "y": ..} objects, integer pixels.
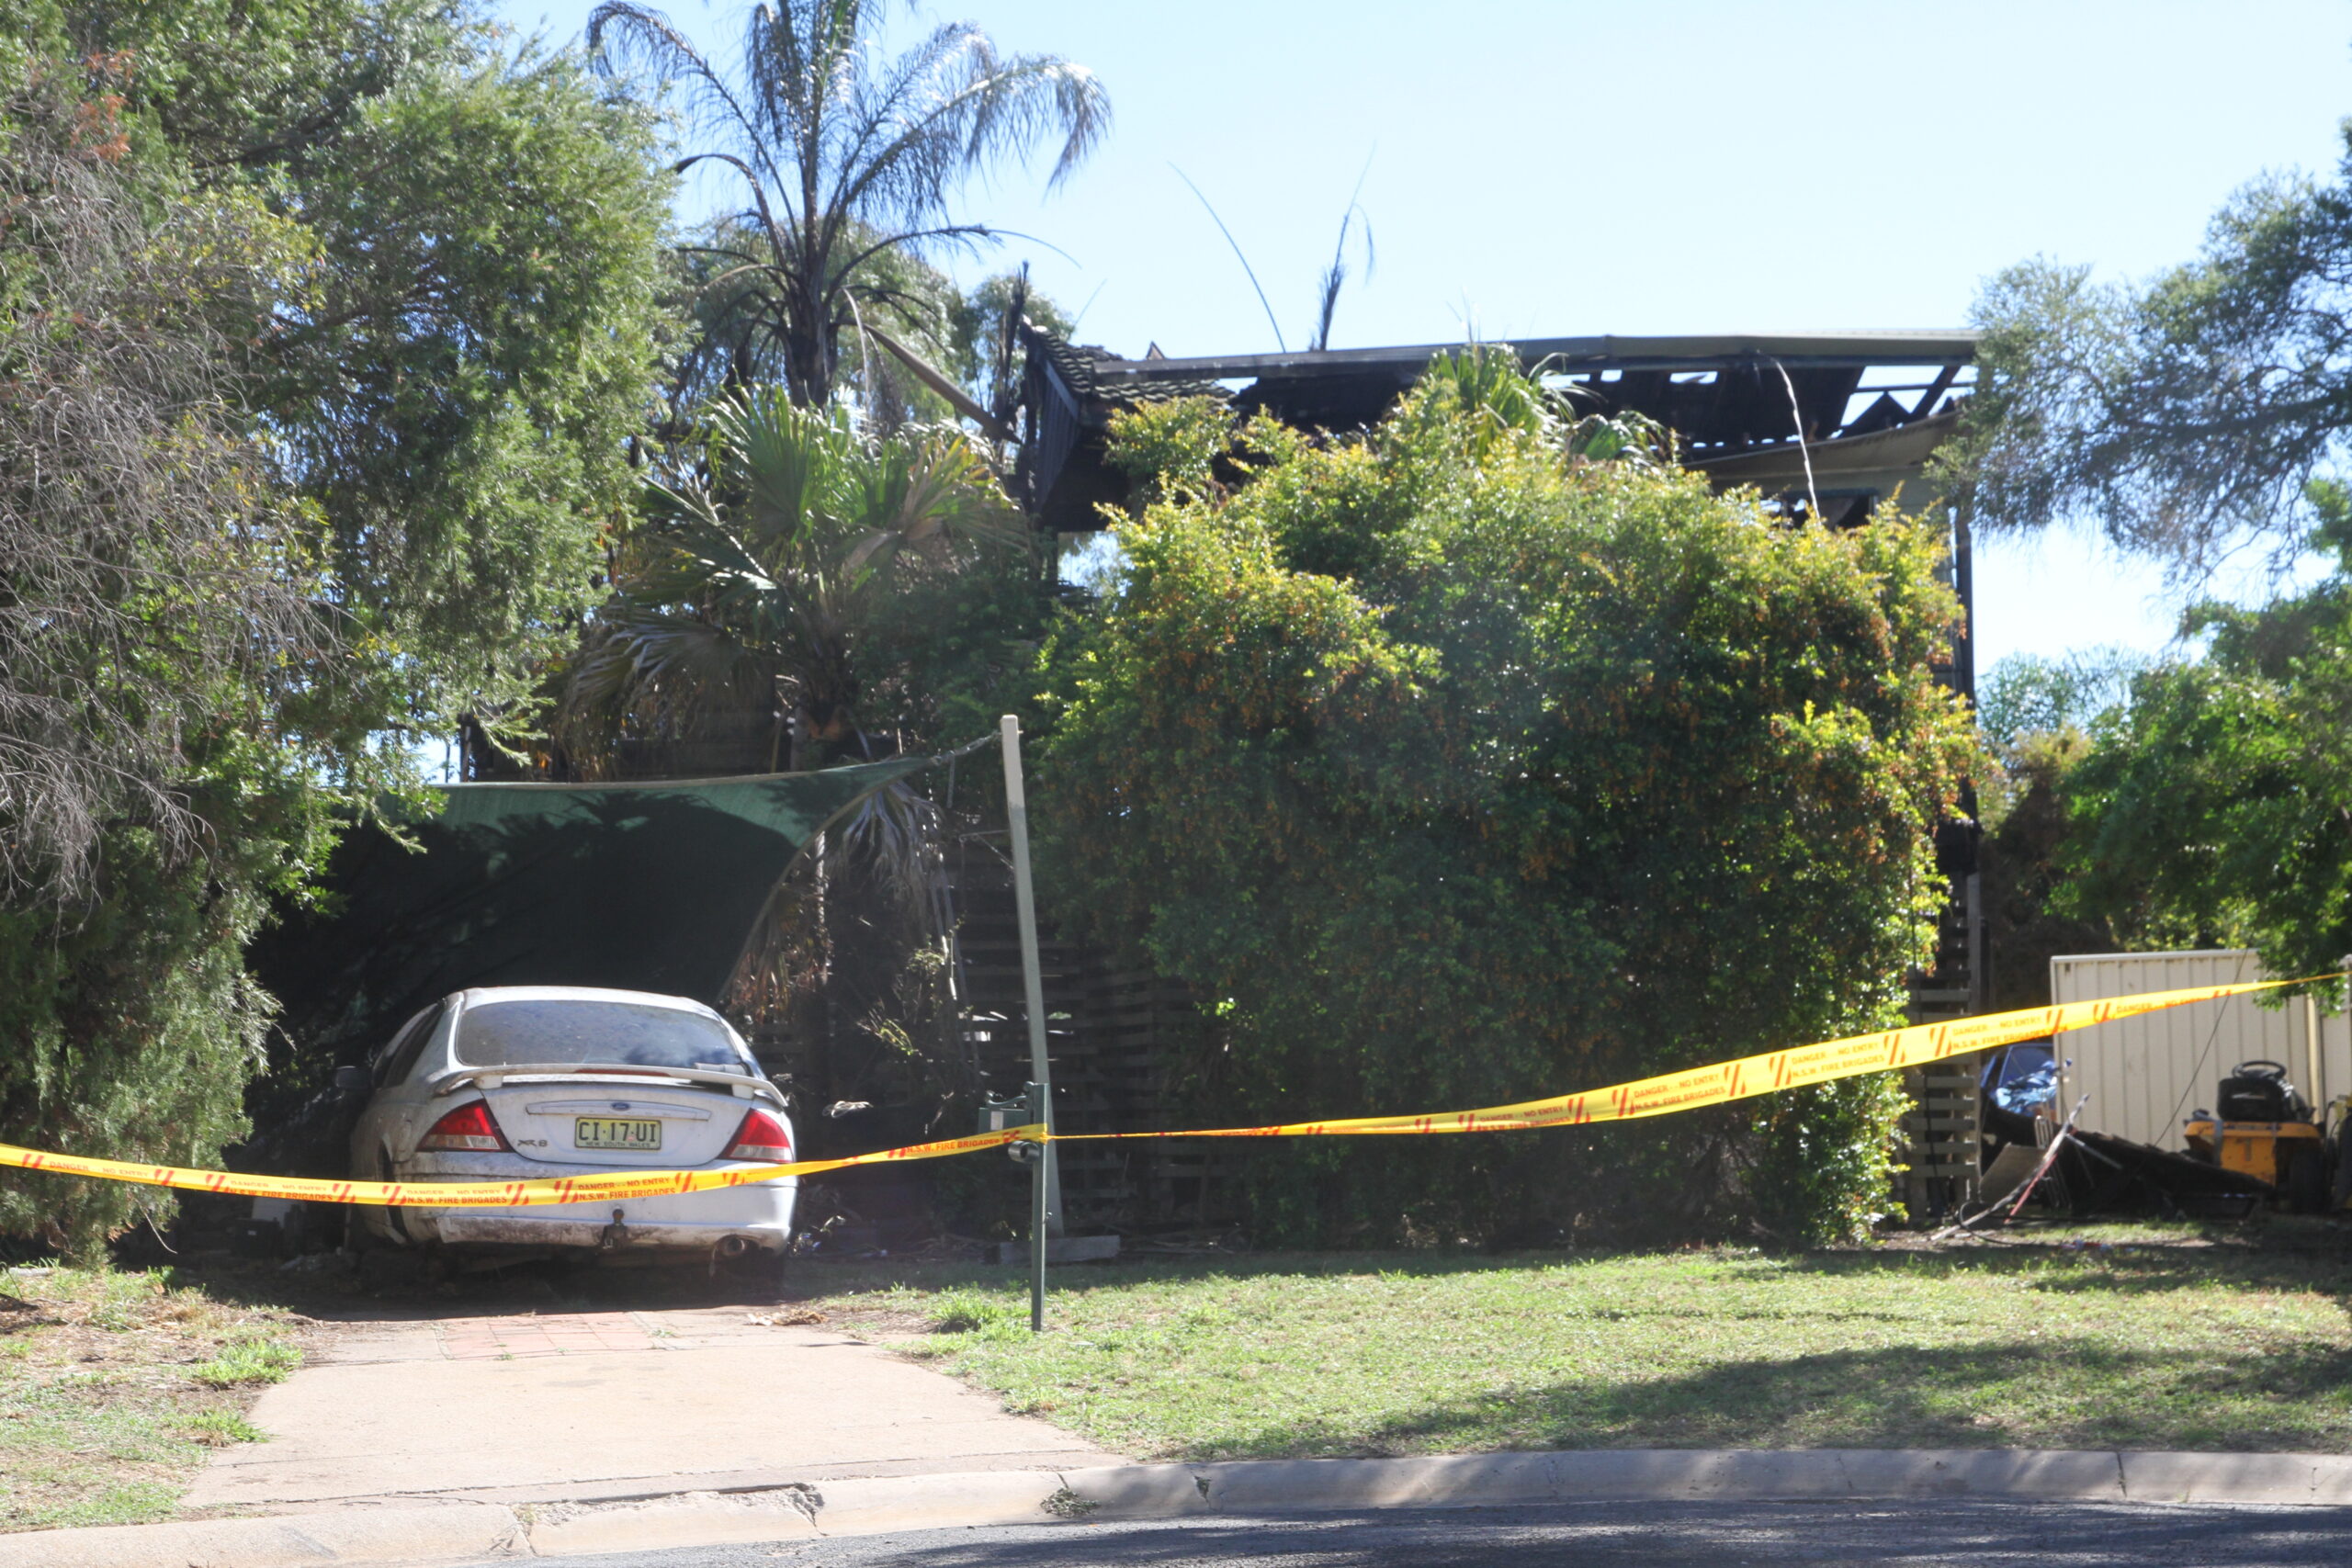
[{"x": 1611, "y": 1535}]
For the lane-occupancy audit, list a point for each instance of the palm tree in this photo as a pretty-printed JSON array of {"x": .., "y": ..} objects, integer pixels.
[
  {"x": 848, "y": 155},
  {"x": 772, "y": 556},
  {"x": 771, "y": 550},
  {"x": 734, "y": 340}
]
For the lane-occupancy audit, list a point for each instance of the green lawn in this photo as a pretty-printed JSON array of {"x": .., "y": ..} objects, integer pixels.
[
  {"x": 2180, "y": 1339},
  {"x": 114, "y": 1389}
]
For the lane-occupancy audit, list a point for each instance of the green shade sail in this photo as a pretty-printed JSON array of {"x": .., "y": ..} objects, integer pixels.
[{"x": 650, "y": 886}]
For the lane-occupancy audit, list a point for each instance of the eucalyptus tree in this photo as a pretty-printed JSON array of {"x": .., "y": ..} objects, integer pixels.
[
  {"x": 2185, "y": 416},
  {"x": 130, "y": 501},
  {"x": 322, "y": 331},
  {"x": 166, "y": 668},
  {"x": 848, "y": 157},
  {"x": 477, "y": 329}
]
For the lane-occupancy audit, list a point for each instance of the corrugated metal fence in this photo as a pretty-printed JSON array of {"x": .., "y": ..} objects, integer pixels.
[{"x": 2144, "y": 1074}]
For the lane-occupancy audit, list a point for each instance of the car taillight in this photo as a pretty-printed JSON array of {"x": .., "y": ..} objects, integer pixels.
[
  {"x": 467, "y": 1127},
  {"x": 761, "y": 1137}
]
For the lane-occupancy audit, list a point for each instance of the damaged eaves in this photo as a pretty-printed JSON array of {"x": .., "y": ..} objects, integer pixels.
[{"x": 1866, "y": 407}]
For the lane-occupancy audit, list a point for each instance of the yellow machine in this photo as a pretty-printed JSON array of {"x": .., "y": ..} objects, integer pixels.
[{"x": 2264, "y": 1129}]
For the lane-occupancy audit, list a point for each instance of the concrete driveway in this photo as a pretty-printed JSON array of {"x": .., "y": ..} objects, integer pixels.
[{"x": 539, "y": 1406}]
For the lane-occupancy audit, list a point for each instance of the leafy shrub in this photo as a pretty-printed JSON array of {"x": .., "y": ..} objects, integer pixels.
[
  {"x": 1458, "y": 769},
  {"x": 2210, "y": 811}
]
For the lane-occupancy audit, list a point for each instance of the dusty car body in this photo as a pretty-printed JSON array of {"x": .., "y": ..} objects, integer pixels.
[{"x": 526, "y": 1082}]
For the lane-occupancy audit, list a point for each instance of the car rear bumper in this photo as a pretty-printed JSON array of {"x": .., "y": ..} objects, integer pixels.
[
  {"x": 759, "y": 1213},
  {"x": 505, "y": 1228}
]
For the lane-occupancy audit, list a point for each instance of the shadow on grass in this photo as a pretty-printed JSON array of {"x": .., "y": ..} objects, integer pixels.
[
  {"x": 1140, "y": 1267},
  {"x": 531, "y": 1285},
  {"x": 2059, "y": 1394},
  {"x": 2318, "y": 1261}
]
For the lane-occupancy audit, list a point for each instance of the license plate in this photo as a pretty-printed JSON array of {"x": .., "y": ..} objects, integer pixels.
[{"x": 614, "y": 1133}]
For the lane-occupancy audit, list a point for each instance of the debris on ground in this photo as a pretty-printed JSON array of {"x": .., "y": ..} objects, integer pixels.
[{"x": 787, "y": 1317}]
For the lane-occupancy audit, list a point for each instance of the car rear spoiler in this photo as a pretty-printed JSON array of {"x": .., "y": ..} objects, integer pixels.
[{"x": 491, "y": 1077}]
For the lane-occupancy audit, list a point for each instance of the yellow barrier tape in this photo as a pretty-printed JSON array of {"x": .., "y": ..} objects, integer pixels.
[
  {"x": 1749, "y": 1076},
  {"x": 488, "y": 1194},
  {"x": 1713, "y": 1085}
]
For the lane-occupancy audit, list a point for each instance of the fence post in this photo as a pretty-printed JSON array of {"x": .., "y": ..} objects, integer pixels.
[{"x": 1025, "y": 896}]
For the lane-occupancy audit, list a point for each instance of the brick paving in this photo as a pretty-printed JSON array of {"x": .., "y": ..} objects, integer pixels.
[{"x": 556, "y": 1334}]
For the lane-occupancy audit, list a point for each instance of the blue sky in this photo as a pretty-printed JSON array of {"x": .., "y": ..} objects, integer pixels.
[{"x": 1547, "y": 169}]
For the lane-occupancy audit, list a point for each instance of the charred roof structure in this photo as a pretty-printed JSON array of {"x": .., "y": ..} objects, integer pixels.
[{"x": 1861, "y": 411}]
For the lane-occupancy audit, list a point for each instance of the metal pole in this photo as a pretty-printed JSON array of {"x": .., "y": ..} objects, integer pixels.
[
  {"x": 1032, "y": 982},
  {"x": 1037, "y": 1237},
  {"x": 2316, "y": 1075}
]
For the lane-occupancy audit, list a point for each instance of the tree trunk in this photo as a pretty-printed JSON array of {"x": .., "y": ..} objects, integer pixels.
[
  {"x": 824, "y": 717},
  {"x": 808, "y": 375},
  {"x": 810, "y": 353}
]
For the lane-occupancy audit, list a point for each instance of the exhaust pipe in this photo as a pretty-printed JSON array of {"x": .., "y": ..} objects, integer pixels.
[{"x": 734, "y": 1246}]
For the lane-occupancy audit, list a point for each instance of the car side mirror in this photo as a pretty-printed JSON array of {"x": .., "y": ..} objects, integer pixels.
[{"x": 351, "y": 1080}]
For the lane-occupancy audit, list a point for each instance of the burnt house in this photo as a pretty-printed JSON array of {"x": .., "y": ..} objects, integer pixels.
[{"x": 1836, "y": 422}]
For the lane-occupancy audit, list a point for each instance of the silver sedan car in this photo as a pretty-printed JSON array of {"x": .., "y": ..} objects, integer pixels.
[{"x": 533, "y": 1082}]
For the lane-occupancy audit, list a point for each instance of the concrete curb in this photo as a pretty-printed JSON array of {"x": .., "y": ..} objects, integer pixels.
[
  {"x": 875, "y": 1506},
  {"x": 452, "y": 1532},
  {"x": 1702, "y": 1475},
  {"x": 480, "y": 1532}
]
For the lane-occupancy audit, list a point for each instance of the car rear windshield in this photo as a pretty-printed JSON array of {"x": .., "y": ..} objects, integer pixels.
[{"x": 526, "y": 1034}]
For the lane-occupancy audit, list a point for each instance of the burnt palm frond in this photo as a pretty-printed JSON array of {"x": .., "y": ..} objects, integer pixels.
[
  {"x": 1327, "y": 287},
  {"x": 1004, "y": 391},
  {"x": 895, "y": 832}
]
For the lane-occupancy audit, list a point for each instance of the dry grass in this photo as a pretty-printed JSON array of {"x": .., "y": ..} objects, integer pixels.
[{"x": 116, "y": 1387}]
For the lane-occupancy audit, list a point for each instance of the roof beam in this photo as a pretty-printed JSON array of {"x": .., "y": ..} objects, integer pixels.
[{"x": 1821, "y": 350}]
